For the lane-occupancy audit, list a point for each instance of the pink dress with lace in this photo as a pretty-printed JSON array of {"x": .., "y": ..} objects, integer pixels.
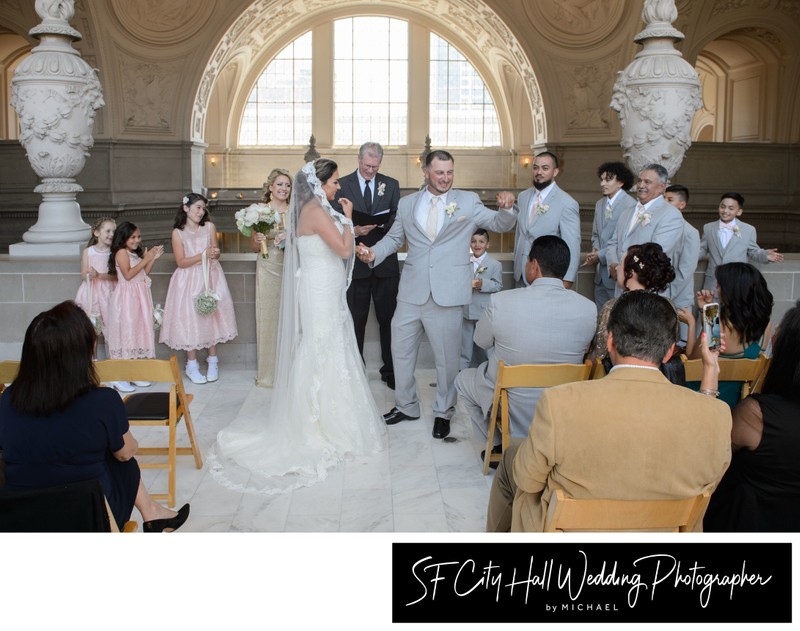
[
  {"x": 129, "y": 328},
  {"x": 184, "y": 328},
  {"x": 101, "y": 289}
]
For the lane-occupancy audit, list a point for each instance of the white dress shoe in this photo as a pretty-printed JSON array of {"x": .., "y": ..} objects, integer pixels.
[
  {"x": 122, "y": 386},
  {"x": 212, "y": 374},
  {"x": 194, "y": 374}
]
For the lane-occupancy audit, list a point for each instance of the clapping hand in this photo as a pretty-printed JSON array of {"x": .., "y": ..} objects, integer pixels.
[
  {"x": 151, "y": 254},
  {"x": 365, "y": 253}
]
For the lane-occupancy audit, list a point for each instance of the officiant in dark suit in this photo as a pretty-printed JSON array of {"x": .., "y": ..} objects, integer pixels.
[{"x": 375, "y": 197}]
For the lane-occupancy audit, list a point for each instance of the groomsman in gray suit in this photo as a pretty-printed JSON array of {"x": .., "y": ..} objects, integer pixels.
[
  {"x": 374, "y": 195},
  {"x": 546, "y": 209},
  {"x": 652, "y": 219},
  {"x": 615, "y": 181},
  {"x": 437, "y": 222},
  {"x": 681, "y": 291},
  {"x": 731, "y": 240},
  {"x": 544, "y": 323}
]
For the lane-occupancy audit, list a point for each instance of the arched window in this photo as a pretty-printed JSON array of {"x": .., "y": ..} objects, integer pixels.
[
  {"x": 370, "y": 72},
  {"x": 462, "y": 113},
  {"x": 370, "y": 87},
  {"x": 278, "y": 110}
]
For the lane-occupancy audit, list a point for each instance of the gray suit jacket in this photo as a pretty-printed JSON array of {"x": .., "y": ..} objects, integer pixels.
[
  {"x": 440, "y": 268},
  {"x": 664, "y": 226},
  {"x": 602, "y": 229},
  {"x": 684, "y": 261},
  {"x": 544, "y": 323},
  {"x": 492, "y": 283},
  {"x": 738, "y": 250},
  {"x": 562, "y": 219}
]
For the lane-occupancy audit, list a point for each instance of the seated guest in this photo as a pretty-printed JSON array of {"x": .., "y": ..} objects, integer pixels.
[
  {"x": 543, "y": 323},
  {"x": 761, "y": 490},
  {"x": 645, "y": 268},
  {"x": 745, "y": 307},
  {"x": 58, "y": 426},
  {"x": 632, "y": 435}
]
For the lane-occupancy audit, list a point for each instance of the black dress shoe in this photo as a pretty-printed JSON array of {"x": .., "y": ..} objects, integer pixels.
[
  {"x": 497, "y": 449},
  {"x": 388, "y": 380},
  {"x": 395, "y": 416},
  {"x": 168, "y": 525},
  {"x": 441, "y": 427}
]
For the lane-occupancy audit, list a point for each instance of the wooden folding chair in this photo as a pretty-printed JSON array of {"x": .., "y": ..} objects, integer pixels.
[
  {"x": 598, "y": 370},
  {"x": 8, "y": 372},
  {"x": 524, "y": 376},
  {"x": 156, "y": 409},
  {"x": 748, "y": 371},
  {"x": 566, "y": 514}
]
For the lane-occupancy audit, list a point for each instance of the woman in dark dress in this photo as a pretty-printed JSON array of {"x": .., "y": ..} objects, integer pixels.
[
  {"x": 57, "y": 426},
  {"x": 760, "y": 492}
]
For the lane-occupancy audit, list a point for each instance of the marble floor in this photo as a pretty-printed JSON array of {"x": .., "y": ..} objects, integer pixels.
[{"x": 420, "y": 484}]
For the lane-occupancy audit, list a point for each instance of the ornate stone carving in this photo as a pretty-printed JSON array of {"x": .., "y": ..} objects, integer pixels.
[
  {"x": 590, "y": 91},
  {"x": 56, "y": 95},
  {"x": 163, "y": 21},
  {"x": 722, "y": 6},
  {"x": 657, "y": 95},
  {"x": 575, "y": 23},
  {"x": 150, "y": 87}
]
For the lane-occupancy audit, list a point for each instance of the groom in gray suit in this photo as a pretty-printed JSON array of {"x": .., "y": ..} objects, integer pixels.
[
  {"x": 546, "y": 209},
  {"x": 437, "y": 222}
]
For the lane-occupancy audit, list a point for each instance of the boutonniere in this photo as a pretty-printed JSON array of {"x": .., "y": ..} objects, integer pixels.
[
  {"x": 737, "y": 231},
  {"x": 644, "y": 218},
  {"x": 381, "y": 189},
  {"x": 541, "y": 209},
  {"x": 480, "y": 270},
  {"x": 450, "y": 209}
]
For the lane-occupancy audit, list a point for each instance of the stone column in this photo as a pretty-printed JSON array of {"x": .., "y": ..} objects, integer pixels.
[
  {"x": 55, "y": 94},
  {"x": 657, "y": 95}
]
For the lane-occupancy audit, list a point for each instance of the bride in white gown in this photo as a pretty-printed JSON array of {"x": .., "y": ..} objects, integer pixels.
[{"x": 322, "y": 410}]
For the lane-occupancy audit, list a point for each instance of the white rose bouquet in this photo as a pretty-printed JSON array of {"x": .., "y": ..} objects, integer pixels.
[{"x": 258, "y": 217}]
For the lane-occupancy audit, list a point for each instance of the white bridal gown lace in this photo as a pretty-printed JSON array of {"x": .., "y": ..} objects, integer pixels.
[{"x": 326, "y": 413}]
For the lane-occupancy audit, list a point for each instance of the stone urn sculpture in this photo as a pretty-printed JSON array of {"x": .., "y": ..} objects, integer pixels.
[
  {"x": 657, "y": 95},
  {"x": 55, "y": 94}
]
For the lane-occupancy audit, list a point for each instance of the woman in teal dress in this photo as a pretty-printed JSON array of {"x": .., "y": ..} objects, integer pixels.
[{"x": 745, "y": 307}]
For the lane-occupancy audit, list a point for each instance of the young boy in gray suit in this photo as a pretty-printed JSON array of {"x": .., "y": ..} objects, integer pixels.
[
  {"x": 487, "y": 278},
  {"x": 730, "y": 240}
]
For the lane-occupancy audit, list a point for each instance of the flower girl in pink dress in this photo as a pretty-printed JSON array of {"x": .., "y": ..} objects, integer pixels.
[
  {"x": 191, "y": 324},
  {"x": 97, "y": 282},
  {"x": 129, "y": 329},
  {"x": 95, "y": 290}
]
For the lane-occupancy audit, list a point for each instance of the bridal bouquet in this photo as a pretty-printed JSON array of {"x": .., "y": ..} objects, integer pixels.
[{"x": 258, "y": 217}]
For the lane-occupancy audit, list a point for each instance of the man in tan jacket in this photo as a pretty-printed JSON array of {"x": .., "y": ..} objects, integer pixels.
[{"x": 630, "y": 435}]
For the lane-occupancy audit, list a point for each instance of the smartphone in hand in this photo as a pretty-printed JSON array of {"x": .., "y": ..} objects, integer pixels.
[{"x": 711, "y": 325}]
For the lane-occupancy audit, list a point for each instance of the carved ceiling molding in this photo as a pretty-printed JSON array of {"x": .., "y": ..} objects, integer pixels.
[
  {"x": 163, "y": 21},
  {"x": 788, "y": 7},
  {"x": 264, "y": 22},
  {"x": 576, "y": 23}
]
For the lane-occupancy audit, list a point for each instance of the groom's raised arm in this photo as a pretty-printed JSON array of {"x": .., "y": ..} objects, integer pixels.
[{"x": 501, "y": 220}]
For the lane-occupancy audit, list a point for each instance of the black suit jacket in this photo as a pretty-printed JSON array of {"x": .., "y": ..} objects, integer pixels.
[{"x": 351, "y": 190}]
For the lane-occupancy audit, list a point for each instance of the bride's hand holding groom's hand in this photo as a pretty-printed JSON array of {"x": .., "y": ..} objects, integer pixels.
[{"x": 364, "y": 253}]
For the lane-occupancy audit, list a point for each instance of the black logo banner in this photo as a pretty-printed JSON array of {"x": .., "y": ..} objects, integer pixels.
[{"x": 591, "y": 582}]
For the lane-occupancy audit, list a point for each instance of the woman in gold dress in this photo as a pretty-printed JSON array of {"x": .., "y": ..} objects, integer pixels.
[{"x": 269, "y": 272}]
